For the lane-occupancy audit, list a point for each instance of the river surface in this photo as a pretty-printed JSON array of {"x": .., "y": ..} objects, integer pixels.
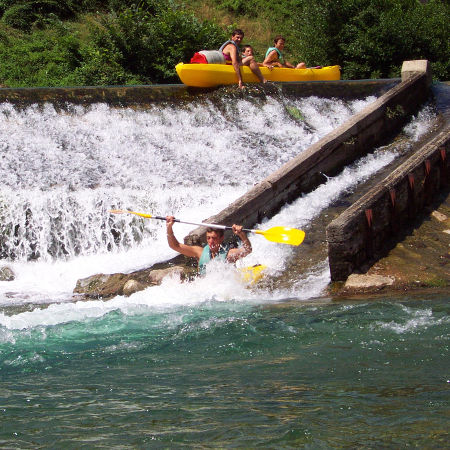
[{"x": 208, "y": 363}]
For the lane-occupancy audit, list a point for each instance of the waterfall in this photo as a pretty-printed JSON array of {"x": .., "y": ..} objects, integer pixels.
[{"x": 62, "y": 170}]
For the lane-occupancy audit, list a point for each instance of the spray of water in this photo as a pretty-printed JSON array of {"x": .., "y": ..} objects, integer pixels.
[{"x": 62, "y": 171}]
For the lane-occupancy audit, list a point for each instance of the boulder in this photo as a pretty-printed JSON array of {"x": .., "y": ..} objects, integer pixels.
[
  {"x": 156, "y": 276},
  {"x": 101, "y": 285},
  {"x": 132, "y": 286},
  {"x": 362, "y": 282},
  {"x": 6, "y": 274},
  {"x": 109, "y": 285}
]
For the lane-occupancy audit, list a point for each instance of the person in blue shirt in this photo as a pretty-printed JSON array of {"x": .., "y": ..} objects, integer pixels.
[
  {"x": 215, "y": 248},
  {"x": 275, "y": 58}
]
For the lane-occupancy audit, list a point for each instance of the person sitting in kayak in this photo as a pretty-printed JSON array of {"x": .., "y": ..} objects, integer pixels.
[
  {"x": 231, "y": 53},
  {"x": 215, "y": 248},
  {"x": 247, "y": 51},
  {"x": 274, "y": 56}
]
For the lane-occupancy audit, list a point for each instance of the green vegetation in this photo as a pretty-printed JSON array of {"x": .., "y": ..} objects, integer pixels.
[
  {"x": 101, "y": 42},
  {"x": 122, "y": 44}
]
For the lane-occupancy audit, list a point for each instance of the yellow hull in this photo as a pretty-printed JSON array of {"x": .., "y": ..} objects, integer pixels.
[
  {"x": 252, "y": 274},
  {"x": 211, "y": 75}
]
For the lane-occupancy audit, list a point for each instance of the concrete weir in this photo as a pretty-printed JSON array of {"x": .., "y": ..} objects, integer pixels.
[
  {"x": 355, "y": 138},
  {"x": 362, "y": 231}
]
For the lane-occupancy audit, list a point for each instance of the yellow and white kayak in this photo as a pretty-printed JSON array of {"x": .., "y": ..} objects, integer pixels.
[
  {"x": 211, "y": 75},
  {"x": 252, "y": 274}
]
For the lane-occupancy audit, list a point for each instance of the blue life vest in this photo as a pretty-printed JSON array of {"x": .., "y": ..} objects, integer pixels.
[
  {"x": 280, "y": 55},
  {"x": 205, "y": 257}
]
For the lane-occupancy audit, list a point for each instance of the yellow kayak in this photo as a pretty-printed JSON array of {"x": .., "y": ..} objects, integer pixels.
[
  {"x": 211, "y": 75},
  {"x": 252, "y": 274}
]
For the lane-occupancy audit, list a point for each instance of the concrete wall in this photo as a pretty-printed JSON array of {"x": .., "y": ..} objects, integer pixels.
[
  {"x": 355, "y": 138},
  {"x": 371, "y": 226},
  {"x": 364, "y": 232},
  {"x": 145, "y": 95},
  {"x": 345, "y": 89},
  {"x": 112, "y": 95}
]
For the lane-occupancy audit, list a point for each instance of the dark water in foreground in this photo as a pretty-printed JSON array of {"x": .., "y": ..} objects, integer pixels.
[{"x": 373, "y": 374}]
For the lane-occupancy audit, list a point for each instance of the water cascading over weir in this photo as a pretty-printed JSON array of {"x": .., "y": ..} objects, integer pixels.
[{"x": 280, "y": 170}]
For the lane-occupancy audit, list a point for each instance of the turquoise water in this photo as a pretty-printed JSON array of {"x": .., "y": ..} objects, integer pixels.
[
  {"x": 290, "y": 374},
  {"x": 207, "y": 363}
]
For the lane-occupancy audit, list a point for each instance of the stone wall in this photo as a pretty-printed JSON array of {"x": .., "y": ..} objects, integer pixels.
[{"x": 364, "y": 232}]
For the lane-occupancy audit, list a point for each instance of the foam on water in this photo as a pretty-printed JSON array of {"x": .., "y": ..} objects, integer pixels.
[
  {"x": 424, "y": 120},
  {"x": 414, "y": 321},
  {"x": 221, "y": 285},
  {"x": 62, "y": 171}
]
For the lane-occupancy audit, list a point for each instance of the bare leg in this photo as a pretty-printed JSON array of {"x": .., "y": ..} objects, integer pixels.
[
  {"x": 250, "y": 61},
  {"x": 301, "y": 65}
]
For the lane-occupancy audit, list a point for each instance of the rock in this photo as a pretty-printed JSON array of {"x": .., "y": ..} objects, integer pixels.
[
  {"x": 107, "y": 286},
  {"x": 362, "y": 282},
  {"x": 101, "y": 285},
  {"x": 439, "y": 216},
  {"x": 6, "y": 274},
  {"x": 132, "y": 286},
  {"x": 156, "y": 276}
]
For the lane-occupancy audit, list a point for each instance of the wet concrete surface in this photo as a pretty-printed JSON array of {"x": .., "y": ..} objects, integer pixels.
[{"x": 418, "y": 259}]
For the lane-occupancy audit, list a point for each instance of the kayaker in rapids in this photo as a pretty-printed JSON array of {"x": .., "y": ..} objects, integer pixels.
[
  {"x": 215, "y": 247},
  {"x": 231, "y": 53},
  {"x": 274, "y": 56}
]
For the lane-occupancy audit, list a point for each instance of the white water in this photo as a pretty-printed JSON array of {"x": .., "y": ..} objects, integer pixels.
[{"x": 61, "y": 172}]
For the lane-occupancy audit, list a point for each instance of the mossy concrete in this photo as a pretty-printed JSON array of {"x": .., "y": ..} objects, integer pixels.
[
  {"x": 420, "y": 260},
  {"x": 140, "y": 96}
]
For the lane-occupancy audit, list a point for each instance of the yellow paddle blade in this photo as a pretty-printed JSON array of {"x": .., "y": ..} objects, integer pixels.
[
  {"x": 122, "y": 211},
  {"x": 283, "y": 235}
]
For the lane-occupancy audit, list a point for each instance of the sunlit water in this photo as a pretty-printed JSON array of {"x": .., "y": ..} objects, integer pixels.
[
  {"x": 210, "y": 361},
  {"x": 237, "y": 374}
]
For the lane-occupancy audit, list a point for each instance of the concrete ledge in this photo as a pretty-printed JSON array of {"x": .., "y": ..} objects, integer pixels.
[
  {"x": 345, "y": 89},
  {"x": 148, "y": 94},
  {"x": 85, "y": 95},
  {"x": 363, "y": 232},
  {"x": 358, "y": 136},
  {"x": 411, "y": 68}
]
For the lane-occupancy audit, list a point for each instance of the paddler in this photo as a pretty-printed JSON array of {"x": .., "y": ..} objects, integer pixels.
[
  {"x": 231, "y": 53},
  {"x": 215, "y": 248}
]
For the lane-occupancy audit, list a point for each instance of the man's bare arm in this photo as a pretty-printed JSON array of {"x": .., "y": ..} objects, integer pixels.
[
  {"x": 192, "y": 251},
  {"x": 237, "y": 253}
]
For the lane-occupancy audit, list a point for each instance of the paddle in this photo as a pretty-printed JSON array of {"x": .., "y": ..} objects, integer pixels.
[{"x": 282, "y": 235}]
